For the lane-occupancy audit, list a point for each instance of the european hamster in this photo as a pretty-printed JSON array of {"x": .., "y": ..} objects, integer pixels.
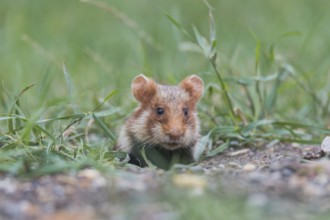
[{"x": 165, "y": 123}]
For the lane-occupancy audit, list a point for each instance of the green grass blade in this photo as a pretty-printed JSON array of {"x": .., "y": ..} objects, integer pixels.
[
  {"x": 104, "y": 128},
  {"x": 105, "y": 113},
  {"x": 213, "y": 35},
  {"x": 25, "y": 90},
  {"x": 297, "y": 125},
  {"x": 108, "y": 96},
  {"x": 44, "y": 86},
  {"x": 7, "y": 118},
  {"x": 15, "y": 108},
  {"x": 254, "y": 125},
  {"x": 202, "y": 42},
  {"x": 67, "y": 117},
  {"x": 178, "y": 25},
  {"x": 69, "y": 85},
  {"x": 148, "y": 162},
  {"x": 68, "y": 80},
  {"x": 201, "y": 146},
  {"x": 218, "y": 149},
  {"x": 257, "y": 50},
  {"x": 47, "y": 133}
]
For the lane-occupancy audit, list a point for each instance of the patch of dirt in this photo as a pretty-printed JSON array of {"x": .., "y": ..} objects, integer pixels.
[
  {"x": 283, "y": 177},
  {"x": 283, "y": 171}
]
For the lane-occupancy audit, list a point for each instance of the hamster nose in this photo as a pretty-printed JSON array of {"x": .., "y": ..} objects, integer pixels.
[{"x": 175, "y": 134}]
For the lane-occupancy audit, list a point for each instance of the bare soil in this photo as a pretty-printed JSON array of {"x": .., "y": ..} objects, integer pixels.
[{"x": 286, "y": 178}]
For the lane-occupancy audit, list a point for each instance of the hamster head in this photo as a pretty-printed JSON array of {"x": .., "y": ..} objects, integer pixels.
[{"x": 167, "y": 115}]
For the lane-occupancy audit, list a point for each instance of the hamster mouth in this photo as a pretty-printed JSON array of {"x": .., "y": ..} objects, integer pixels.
[{"x": 172, "y": 145}]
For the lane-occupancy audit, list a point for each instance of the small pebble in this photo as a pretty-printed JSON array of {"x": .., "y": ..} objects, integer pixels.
[
  {"x": 286, "y": 172},
  {"x": 7, "y": 186},
  {"x": 233, "y": 165},
  {"x": 189, "y": 180},
  {"x": 326, "y": 145},
  {"x": 249, "y": 167},
  {"x": 221, "y": 166}
]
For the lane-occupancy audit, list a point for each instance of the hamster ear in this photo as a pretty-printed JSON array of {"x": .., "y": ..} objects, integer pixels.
[
  {"x": 194, "y": 86},
  {"x": 143, "y": 88}
]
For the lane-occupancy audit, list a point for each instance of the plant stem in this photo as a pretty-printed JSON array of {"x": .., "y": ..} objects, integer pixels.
[{"x": 224, "y": 88}]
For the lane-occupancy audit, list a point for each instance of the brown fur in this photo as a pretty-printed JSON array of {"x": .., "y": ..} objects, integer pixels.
[{"x": 171, "y": 130}]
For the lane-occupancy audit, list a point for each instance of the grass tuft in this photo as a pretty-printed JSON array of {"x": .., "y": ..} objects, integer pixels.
[{"x": 261, "y": 84}]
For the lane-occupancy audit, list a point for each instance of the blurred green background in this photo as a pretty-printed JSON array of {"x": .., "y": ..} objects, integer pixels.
[{"x": 103, "y": 50}]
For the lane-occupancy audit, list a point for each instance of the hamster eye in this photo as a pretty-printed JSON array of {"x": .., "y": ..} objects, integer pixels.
[
  {"x": 160, "y": 111},
  {"x": 185, "y": 111}
]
